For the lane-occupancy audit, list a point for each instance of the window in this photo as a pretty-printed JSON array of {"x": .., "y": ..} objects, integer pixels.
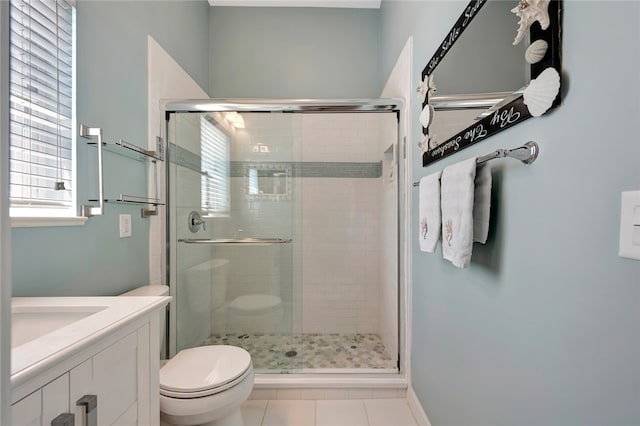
[
  {"x": 214, "y": 152},
  {"x": 41, "y": 146}
]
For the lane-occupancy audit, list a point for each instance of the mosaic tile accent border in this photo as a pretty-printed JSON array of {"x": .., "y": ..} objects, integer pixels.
[
  {"x": 282, "y": 353},
  {"x": 317, "y": 169},
  {"x": 185, "y": 158},
  {"x": 313, "y": 169}
]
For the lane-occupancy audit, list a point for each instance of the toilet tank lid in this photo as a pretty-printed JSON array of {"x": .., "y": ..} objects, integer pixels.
[{"x": 148, "y": 290}]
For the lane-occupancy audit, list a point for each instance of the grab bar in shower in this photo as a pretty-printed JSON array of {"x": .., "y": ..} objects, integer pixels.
[{"x": 234, "y": 241}]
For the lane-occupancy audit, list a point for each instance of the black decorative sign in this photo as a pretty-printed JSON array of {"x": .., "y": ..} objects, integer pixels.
[
  {"x": 501, "y": 119},
  {"x": 515, "y": 111}
]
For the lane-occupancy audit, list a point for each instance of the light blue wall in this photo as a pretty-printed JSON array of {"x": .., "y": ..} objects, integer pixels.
[
  {"x": 294, "y": 52},
  {"x": 112, "y": 94},
  {"x": 542, "y": 329}
]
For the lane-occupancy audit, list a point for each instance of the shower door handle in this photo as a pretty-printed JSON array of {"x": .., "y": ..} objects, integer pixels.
[{"x": 254, "y": 241}]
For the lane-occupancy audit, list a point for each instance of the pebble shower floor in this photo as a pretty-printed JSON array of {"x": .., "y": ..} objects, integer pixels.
[{"x": 281, "y": 352}]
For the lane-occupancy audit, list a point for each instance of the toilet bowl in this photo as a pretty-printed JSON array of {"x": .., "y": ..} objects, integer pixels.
[{"x": 205, "y": 385}]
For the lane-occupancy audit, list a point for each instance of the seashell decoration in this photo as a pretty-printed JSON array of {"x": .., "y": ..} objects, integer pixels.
[
  {"x": 425, "y": 87},
  {"x": 434, "y": 143},
  {"x": 530, "y": 11},
  {"x": 536, "y": 51},
  {"x": 426, "y": 115},
  {"x": 424, "y": 143},
  {"x": 542, "y": 91}
]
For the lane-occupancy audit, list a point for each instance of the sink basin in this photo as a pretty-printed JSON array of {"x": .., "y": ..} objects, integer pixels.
[{"x": 29, "y": 323}]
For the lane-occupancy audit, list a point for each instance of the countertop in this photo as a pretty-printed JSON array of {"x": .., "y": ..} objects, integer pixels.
[{"x": 32, "y": 358}]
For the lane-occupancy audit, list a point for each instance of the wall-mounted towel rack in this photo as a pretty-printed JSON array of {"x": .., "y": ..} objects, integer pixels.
[
  {"x": 526, "y": 153},
  {"x": 122, "y": 147}
]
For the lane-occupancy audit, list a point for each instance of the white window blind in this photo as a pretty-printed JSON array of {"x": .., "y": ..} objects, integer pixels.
[
  {"x": 214, "y": 153},
  {"x": 41, "y": 108}
]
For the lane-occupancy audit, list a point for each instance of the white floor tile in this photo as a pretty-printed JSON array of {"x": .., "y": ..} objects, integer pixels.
[
  {"x": 385, "y": 412},
  {"x": 341, "y": 413},
  {"x": 253, "y": 412},
  {"x": 290, "y": 413}
]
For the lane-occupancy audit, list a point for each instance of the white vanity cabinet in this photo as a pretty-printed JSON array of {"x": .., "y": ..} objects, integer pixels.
[
  {"x": 43, "y": 405},
  {"x": 119, "y": 368}
]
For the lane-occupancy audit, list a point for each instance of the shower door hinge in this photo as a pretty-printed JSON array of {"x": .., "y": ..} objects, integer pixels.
[
  {"x": 160, "y": 148},
  {"x": 404, "y": 147}
]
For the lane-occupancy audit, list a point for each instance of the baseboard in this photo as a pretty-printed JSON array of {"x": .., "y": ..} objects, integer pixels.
[
  {"x": 328, "y": 393},
  {"x": 416, "y": 408}
]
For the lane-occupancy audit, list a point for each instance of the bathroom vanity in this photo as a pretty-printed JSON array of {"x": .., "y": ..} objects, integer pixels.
[{"x": 93, "y": 359}]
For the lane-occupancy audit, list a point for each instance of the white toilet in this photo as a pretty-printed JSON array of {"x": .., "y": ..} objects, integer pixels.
[{"x": 204, "y": 385}]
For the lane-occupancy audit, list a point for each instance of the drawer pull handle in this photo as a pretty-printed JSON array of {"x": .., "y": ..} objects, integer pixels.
[
  {"x": 64, "y": 419},
  {"x": 90, "y": 404}
]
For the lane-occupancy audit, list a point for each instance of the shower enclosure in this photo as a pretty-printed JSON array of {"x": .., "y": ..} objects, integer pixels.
[{"x": 283, "y": 232}]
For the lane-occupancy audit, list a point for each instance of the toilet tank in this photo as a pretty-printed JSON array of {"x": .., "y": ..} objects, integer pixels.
[
  {"x": 210, "y": 276},
  {"x": 154, "y": 290}
]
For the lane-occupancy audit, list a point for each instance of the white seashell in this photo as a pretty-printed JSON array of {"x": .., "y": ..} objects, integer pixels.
[
  {"x": 426, "y": 116},
  {"x": 434, "y": 143},
  {"x": 542, "y": 91},
  {"x": 536, "y": 51},
  {"x": 530, "y": 11},
  {"x": 426, "y": 87},
  {"x": 424, "y": 143}
]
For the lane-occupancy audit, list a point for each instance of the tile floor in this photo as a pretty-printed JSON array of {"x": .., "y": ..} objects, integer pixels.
[
  {"x": 352, "y": 412},
  {"x": 282, "y": 352}
]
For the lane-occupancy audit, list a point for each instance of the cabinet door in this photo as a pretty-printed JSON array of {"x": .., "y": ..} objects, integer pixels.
[
  {"x": 112, "y": 375},
  {"x": 55, "y": 399},
  {"x": 81, "y": 384},
  {"x": 115, "y": 374},
  {"x": 44, "y": 405},
  {"x": 28, "y": 411}
]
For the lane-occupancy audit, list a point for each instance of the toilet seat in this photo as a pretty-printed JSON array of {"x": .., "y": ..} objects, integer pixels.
[{"x": 204, "y": 371}]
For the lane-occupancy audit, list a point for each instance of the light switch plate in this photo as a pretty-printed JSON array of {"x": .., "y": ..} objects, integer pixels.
[
  {"x": 630, "y": 225},
  {"x": 125, "y": 225}
]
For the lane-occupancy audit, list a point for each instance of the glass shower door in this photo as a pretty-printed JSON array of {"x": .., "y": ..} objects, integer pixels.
[{"x": 231, "y": 218}]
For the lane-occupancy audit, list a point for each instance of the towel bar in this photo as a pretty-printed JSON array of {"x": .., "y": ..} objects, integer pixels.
[{"x": 526, "y": 153}]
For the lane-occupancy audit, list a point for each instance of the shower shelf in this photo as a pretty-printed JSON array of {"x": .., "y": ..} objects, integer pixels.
[
  {"x": 129, "y": 150},
  {"x": 132, "y": 199},
  {"x": 135, "y": 200}
]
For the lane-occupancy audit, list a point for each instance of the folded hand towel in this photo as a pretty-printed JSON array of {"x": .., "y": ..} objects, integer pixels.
[
  {"x": 457, "y": 191},
  {"x": 482, "y": 203},
  {"x": 429, "y": 212}
]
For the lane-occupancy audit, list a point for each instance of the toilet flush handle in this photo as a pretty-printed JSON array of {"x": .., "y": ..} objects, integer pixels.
[{"x": 195, "y": 221}]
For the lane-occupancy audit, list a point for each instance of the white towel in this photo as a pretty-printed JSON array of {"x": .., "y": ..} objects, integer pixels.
[
  {"x": 429, "y": 212},
  {"x": 482, "y": 203},
  {"x": 457, "y": 192}
]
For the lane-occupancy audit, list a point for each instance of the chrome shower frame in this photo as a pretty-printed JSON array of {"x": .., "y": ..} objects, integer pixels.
[{"x": 372, "y": 105}]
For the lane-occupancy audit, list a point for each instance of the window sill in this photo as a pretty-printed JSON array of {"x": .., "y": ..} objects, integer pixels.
[{"x": 37, "y": 222}]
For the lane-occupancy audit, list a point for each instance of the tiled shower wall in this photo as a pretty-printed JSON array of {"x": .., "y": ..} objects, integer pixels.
[
  {"x": 342, "y": 247},
  {"x": 339, "y": 273}
]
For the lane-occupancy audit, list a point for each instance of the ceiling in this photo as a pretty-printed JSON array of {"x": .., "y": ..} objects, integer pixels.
[{"x": 362, "y": 4}]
